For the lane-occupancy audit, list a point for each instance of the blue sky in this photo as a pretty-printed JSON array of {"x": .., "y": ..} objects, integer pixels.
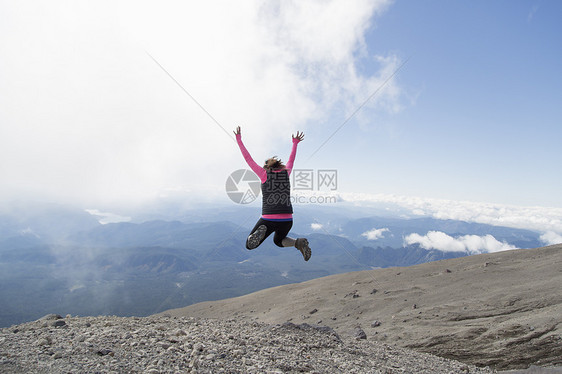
[
  {"x": 474, "y": 115},
  {"x": 480, "y": 117}
]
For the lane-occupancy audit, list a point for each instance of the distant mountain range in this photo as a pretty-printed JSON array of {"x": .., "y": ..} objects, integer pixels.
[{"x": 55, "y": 260}]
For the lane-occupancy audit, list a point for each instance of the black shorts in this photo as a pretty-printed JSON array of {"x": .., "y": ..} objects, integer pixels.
[{"x": 280, "y": 228}]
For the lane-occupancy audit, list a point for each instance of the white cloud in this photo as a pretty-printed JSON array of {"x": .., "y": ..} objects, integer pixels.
[
  {"x": 551, "y": 238},
  {"x": 106, "y": 217},
  {"x": 535, "y": 218},
  {"x": 87, "y": 115},
  {"x": 466, "y": 243},
  {"x": 316, "y": 226},
  {"x": 375, "y": 234}
]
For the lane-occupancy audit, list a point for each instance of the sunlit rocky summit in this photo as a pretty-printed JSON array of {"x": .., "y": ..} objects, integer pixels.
[{"x": 474, "y": 314}]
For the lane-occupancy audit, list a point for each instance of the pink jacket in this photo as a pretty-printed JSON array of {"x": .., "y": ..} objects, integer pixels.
[{"x": 262, "y": 174}]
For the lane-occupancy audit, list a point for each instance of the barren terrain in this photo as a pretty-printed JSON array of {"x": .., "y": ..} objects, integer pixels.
[{"x": 502, "y": 310}]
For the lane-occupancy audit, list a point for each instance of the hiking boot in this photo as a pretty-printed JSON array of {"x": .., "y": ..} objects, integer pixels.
[
  {"x": 302, "y": 245},
  {"x": 255, "y": 238}
]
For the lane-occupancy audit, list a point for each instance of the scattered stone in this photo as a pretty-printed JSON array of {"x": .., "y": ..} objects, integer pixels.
[
  {"x": 58, "y": 323},
  {"x": 374, "y": 291},
  {"x": 105, "y": 352},
  {"x": 313, "y": 311},
  {"x": 50, "y": 317},
  {"x": 43, "y": 341},
  {"x": 198, "y": 348},
  {"x": 359, "y": 334},
  {"x": 375, "y": 324},
  {"x": 179, "y": 332},
  {"x": 306, "y": 326},
  {"x": 164, "y": 345},
  {"x": 144, "y": 345}
]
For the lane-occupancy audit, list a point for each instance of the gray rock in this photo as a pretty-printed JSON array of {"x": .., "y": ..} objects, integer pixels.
[
  {"x": 58, "y": 323},
  {"x": 43, "y": 341},
  {"x": 352, "y": 294},
  {"x": 164, "y": 345},
  {"x": 358, "y": 333},
  {"x": 50, "y": 317},
  {"x": 105, "y": 352}
]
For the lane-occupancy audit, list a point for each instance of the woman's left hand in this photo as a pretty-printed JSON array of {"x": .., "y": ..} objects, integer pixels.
[{"x": 299, "y": 136}]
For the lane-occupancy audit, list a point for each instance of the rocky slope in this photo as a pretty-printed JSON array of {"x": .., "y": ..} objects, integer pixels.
[
  {"x": 502, "y": 310},
  {"x": 188, "y": 345}
]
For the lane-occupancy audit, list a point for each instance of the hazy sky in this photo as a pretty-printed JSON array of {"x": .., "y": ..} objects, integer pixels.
[{"x": 473, "y": 113}]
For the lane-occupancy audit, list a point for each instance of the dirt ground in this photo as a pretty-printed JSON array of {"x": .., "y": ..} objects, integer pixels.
[{"x": 502, "y": 310}]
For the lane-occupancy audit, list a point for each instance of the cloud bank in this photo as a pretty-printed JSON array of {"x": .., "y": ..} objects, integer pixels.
[
  {"x": 87, "y": 116},
  {"x": 540, "y": 219},
  {"x": 551, "y": 238},
  {"x": 471, "y": 244}
]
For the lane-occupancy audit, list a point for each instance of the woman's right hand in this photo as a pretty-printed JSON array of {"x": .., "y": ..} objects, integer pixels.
[{"x": 237, "y": 131}]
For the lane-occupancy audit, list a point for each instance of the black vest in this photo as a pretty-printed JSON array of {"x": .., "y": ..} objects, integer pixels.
[{"x": 276, "y": 193}]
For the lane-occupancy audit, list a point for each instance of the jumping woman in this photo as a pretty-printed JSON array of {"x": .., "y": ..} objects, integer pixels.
[{"x": 277, "y": 211}]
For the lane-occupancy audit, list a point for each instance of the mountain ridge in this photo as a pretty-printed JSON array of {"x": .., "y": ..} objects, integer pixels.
[{"x": 65, "y": 260}]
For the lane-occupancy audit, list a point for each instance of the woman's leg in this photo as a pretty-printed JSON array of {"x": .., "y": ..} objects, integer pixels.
[
  {"x": 282, "y": 240},
  {"x": 288, "y": 242},
  {"x": 259, "y": 233},
  {"x": 281, "y": 231}
]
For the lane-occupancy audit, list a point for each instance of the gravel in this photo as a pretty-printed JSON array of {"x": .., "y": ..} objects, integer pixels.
[{"x": 164, "y": 344}]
